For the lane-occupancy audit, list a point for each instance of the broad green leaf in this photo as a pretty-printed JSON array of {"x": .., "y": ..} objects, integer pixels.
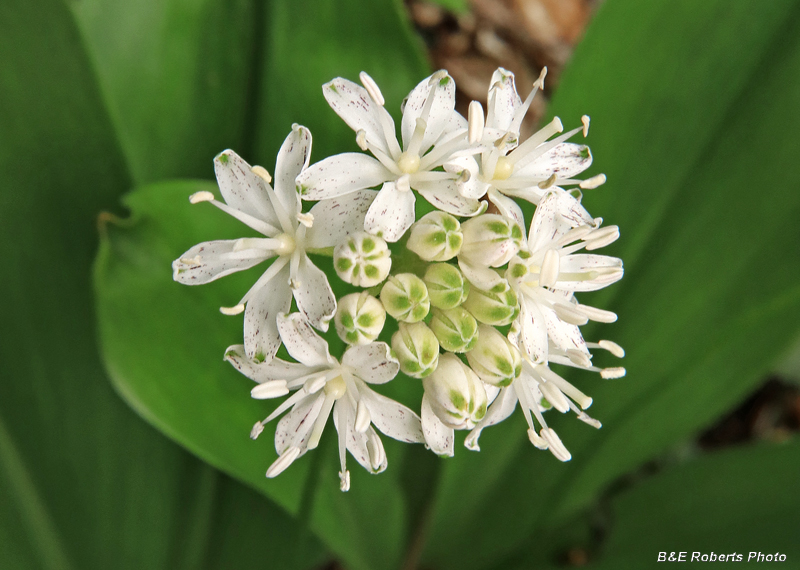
[
  {"x": 178, "y": 77},
  {"x": 311, "y": 42},
  {"x": 711, "y": 291},
  {"x": 163, "y": 344},
  {"x": 737, "y": 501},
  {"x": 84, "y": 482}
]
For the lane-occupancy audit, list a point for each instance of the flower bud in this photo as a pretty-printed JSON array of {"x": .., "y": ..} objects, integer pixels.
[
  {"x": 455, "y": 393},
  {"x": 405, "y": 297},
  {"x": 436, "y": 237},
  {"x": 416, "y": 348},
  {"x": 456, "y": 329},
  {"x": 490, "y": 240},
  {"x": 362, "y": 259},
  {"x": 497, "y": 307},
  {"x": 359, "y": 318},
  {"x": 495, "y": 360},
  {"x": 447, "y": 287}
]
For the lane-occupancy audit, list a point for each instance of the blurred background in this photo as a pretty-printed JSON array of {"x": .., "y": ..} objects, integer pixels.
[{"x": 123, "y": 436}]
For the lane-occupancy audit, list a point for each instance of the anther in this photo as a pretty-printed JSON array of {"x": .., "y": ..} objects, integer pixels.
[
  {"x": 593, "y": 182},
  {"x": 372, "y": 88},
  {"x": 280, "y": 464},
  {"x": 545, "y": 184},
  {"x": 361, "y": 139},
  {"x": 256, "y": 431},
  {"x": 363, "y": 418},
  {"x": 585, "y": 121},
  {"x": 539, "y": 83},
  {"x": 235, "y": 310},
  {"x": 306, "y": 219},
  {"x": 203, "y": 196},
  {"x": 262, "y": 173},
  {"x": 476, "y": 122},
  {"x": 611, "y": 373},
  {"x": 270, "y": 389},
  {"x": 612, "y": 347}
]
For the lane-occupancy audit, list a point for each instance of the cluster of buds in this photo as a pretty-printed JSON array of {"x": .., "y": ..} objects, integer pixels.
[{"x": 481, "y": 303}]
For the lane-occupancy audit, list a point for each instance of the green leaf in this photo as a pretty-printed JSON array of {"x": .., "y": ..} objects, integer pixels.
[
  {"x": 710, "y": 295},
  {"x": 177, "y": 77},
  {"x": 737, "y": 501},
  {"x": 84, "y": 482}
]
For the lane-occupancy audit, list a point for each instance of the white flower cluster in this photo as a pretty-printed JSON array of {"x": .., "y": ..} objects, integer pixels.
[{"x": 482, "y": 310}]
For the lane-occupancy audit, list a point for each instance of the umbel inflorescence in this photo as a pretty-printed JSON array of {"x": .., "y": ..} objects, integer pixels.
[{"x": 485, "y": 307}]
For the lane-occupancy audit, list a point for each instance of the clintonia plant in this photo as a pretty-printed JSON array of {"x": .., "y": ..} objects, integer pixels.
[{"x": 484, "y": 302}]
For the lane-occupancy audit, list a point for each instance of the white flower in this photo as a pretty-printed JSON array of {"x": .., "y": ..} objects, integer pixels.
[
  {"x": 433, "y": 134},
  {"x": 289, "y": 233},
  {"x": 546, "y": 276},
  {"x": 535, "y": 385},
  {"x": 322, "y": 385},
  {"x": 506, "y": 168}
]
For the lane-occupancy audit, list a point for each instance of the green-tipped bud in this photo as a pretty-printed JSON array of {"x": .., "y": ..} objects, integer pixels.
[
  {"x": 405, "y": 297},
  {"x": 455, "y": 393},
  {"x": 362, "y": 259},
  {"x": 359, "y": 318},
  {"x": 497, "y": 307},
  {"x": 436, "y": 237},
  {"x": 416, "y": 348},
  {"x": 490, "y": 240},
  {"x": 495, "y": 360},
  {"x": 447, "y": 287},
  {"x": 456, "y": 329}
]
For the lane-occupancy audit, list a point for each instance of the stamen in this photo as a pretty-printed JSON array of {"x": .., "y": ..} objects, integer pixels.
[
  {"x": 536, "y": 139},
  {"x": 595, "y": 314},
  {"x": 320, "y": 421},
  {"x": 536, "y": 440},
  {"x": 361, "y": 139},
  {"x": 204, "y": 196},
  {"x": 567, "y": 313},
  {"x": 548, "y": 275},
  {"x": 587, "y": 419},
  {"x": 372, "y": 88},
  {"x": 257, "y": 224},
  {"x": 230, "y": 311},
  {"x": 522, "y": 110},
  {"x": 363, "y": 418},
  {"x": 593, "y": 182},
  {"x": 476, "y": 122},
  {"x": 412, "y": 152},
  {"x": 585, "y": 120},
  {"x": 285, "y": 405},
  {"x": 579, "y": 357},
  {"x": 612, "y": 373},
  {"x": 403, "y": 183},
  {"x": 344, "y": 481},
  {"x": 602, "y": 238},
  {"x": 256, "y": 431},
  {"x": 554, "y": 442},
  {"x": 342, "y": 420},
  {"x": 554, "y": 396},
  {"x": 286, "y": 458},
  {"x": 375, "y": 451},
  {"x": 545, "y": 184},
  {"x": 306, "y": 219},
  {"x": 315, "y": 384},
  {"x": 612, "y": 347},
  {"x": 262, "y": 173},
  {"x": 270, "y": 389}
]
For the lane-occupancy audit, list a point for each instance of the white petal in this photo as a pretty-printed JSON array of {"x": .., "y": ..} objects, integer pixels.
[
  {"x": 557, "y": 213},
  {"x": 354, "y": 105},
  {"x": 372, "y": 362},
  {"x": 564, "y": 335},
  {"x": 532, "y": 331},
  {"x": 302, "y": 343},
  {"x": 456, "y": 122},
  {"x": 313, "y": 294},
  {"x": 276, "y": 369},
  {"x": 502, "y": 407},
  {"x": 295, "y": 427},
  {"x": 503, "y": 100},
  {"x": 438, "y": 436},
  {"x": 474, "y": 187},
  {"x": 564, "y": 160},
  {"x": 444, "y": 195},
  {"x": 211, "y": 260},
  {"x": 391, "y": 213},
  {"x": 608, "y": 269},
  {"x": 394, "y": 419},
  {"x": 243, "y": 190},
  {"x": 507, "y": 207},
  {"x": 441, "y": 111},
  {"x": 261, "y": 338},
  {"x": 292, "y": 160},
  {"x": 357, "y": 443},
  {"x": 484, "y": 278},
  {"x": 341, "y": 174},
  {"x": 337, "y": 217}
]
